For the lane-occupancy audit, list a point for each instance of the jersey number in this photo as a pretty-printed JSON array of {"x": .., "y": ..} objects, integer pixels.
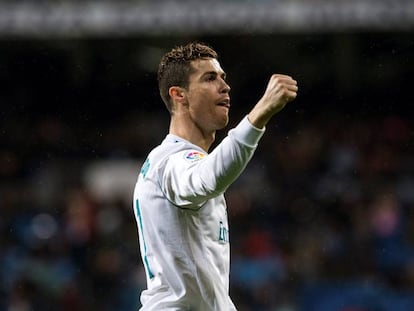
[{"x": 145, "y": 259}]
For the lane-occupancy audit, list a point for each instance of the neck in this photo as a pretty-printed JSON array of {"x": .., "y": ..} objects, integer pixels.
[{"x": 188, "y": 130}]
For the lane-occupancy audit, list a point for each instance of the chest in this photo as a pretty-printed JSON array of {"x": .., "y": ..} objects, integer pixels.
[{"x": 210, "y": 220}]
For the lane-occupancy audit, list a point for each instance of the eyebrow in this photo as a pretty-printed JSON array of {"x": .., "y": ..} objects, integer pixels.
[{"x": 223, "y": 74}]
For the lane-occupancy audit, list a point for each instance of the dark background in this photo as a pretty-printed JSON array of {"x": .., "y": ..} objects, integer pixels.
[{"x": 350, "y": 71}]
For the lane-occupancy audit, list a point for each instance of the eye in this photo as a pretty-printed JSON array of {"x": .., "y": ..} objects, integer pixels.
[{"x": 211, "y": 77}]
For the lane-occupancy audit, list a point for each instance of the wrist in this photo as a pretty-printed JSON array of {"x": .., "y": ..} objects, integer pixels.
[{"x": 259, "y": 116}]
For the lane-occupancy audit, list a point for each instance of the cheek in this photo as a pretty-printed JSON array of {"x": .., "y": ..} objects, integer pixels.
[{"x": 199, "y": 101}]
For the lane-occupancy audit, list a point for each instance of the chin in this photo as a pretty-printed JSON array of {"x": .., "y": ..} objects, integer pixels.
[{"x": 223, "y": 124}]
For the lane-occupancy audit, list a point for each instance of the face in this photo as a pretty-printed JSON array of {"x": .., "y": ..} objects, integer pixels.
[{"x": 208, "y": 95}]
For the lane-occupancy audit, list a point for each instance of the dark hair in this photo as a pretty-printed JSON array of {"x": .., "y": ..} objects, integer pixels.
[{"x": 175, "y": 67}]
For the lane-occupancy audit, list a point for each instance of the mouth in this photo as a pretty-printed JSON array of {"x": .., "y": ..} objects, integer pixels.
[{"x": 224, "y": 103}]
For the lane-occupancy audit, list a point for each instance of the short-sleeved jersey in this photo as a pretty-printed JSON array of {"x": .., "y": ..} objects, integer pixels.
[{"x": 181, "y": 217}]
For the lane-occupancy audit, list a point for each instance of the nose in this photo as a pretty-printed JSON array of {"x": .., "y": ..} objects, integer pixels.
[{"x": 225, "y": 88}]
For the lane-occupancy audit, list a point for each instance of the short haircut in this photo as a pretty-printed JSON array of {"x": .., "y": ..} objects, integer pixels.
[{"x": 175, "y": 67}]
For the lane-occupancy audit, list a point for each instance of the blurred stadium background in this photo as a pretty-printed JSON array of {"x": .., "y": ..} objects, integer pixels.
[{"x": 322, "y": 219}]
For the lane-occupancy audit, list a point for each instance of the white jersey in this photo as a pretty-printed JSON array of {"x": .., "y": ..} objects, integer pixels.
[{"x": 182, "y": 220}]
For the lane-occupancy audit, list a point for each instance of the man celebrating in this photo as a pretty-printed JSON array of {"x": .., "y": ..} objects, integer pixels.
[{"x": 179, "y": 200}]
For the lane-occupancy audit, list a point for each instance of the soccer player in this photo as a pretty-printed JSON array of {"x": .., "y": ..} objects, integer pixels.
[{"x": 179, "y": 202}]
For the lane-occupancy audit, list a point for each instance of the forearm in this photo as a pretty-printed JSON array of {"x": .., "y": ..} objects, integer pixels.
[
  {"x": 234, "y": 152},
  {"x": 260, "y": 115}
]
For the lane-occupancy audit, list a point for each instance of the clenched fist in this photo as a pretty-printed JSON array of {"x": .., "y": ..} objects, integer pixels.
[{"x": 280, "y": 90}]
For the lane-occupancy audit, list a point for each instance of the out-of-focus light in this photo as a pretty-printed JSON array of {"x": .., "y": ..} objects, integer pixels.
[
  {"x": 44, "y": 226},
  {"x": 126, "y": 18}
]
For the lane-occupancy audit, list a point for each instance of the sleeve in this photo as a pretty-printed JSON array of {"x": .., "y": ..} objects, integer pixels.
[{"x": 191, "y": 177}]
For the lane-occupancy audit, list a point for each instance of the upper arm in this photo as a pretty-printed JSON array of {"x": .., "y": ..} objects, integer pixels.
[{"x": 183, "y": 181}]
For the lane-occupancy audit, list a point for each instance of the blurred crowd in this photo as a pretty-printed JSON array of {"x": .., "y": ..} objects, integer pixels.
[{"x": 322, "y": 218}]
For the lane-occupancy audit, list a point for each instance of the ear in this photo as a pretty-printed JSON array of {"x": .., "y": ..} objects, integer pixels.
[{"x": 177, "y": 94}]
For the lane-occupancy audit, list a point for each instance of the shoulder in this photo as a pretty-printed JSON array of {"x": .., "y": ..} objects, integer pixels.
[
  {"x": 178, "y": 149},
  {"x": 175, "y": 153},
  {"x": 183, "y": 159},
  {"x": 192, "y": 155}
]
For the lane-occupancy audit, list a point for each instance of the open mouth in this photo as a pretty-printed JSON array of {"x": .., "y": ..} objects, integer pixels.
[{"x": 224, "y": 103}]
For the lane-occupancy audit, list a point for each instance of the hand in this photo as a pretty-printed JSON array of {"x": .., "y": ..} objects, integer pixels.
[{"x": 280, "y": 90}]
